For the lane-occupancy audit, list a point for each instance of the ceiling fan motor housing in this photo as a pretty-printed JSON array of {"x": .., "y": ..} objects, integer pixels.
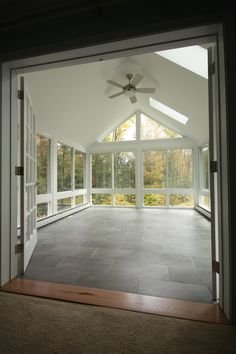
[{"x": 129, "y": 90}]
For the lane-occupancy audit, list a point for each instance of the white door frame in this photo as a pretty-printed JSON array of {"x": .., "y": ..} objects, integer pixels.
[{"x": 133, "y": 46}]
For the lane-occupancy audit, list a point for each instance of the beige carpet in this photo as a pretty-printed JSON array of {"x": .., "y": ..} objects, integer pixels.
[{"x": 32, "y": 325}]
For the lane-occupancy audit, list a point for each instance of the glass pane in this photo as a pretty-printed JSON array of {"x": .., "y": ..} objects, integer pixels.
[
  {"x": 154, "y": 200},
  {"x": 181, "y": 200},
  {"x": 150, "y": 129},
  {"x": 43, "y": 158},
  {"x": 79, "y": 199},
  {"x": 180, "y": 168},
  {"x": 79, "y": 169},
  {"x": 204, "y": 202},
  {"x": 205, "y": 168},
  {"x": 154, "y": 169},
  {"x": 101, "y": 170},
  {"x": 124, "y": 170},
  {"x": 64, "y": 167},
  {"x": 125, "y": 199},
  {"x": 101, "y": 199},
  {"x": 42, "y": 210},
  {"x": 126, "y": 131},
  {"x": 63, "y": 204}
]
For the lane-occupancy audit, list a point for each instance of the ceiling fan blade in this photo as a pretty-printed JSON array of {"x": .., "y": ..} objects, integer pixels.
[
  {"x": 133, "y": 99},
  {"x": 146, "y": 90},
  {"x": 114, "y": 83},
  {"x": 136, "y": 80},
  {"x": 116, "y": 95}
]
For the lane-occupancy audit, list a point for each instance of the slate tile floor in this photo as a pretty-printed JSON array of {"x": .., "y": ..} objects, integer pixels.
[{"x": 152, "y": 252}]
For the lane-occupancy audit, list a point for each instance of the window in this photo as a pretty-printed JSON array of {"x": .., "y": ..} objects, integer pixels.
[
  {"x": 79, "y": 200},
  {"x": 79, "y": 169},
  {"x": 154, "y": 199},
  {"x": 125, "y": 199},
  {"x": 180, "y": 168},
  {"x": 64, "y": 167},
  {"x": 204, "y": 192},
  {"x": 126, "y": 131},
  {"x": 101, "y": 199},
  {"x": 163, "y": 171},
  {"x": 63, "y": 204},
  {"x": 124, "y": 170},
  {"x": 205, "y": 168},
  {"x": 102, "y": 170},
  {"x": 42, "y": 210},
  {"x": 181, "y": 200},
  {"x": 150, "y": 129},
  {"x": 154, "y": 164},
  {"x": 43, "y": 159}
]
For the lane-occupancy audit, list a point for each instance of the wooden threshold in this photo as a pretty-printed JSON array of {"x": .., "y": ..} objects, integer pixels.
[{"x": 119, "y": 300}]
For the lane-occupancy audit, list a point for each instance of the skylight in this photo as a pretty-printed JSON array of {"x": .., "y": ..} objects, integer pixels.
[
  {"x": 168, "y": 111},
  {"x": 193, "y": 58}
]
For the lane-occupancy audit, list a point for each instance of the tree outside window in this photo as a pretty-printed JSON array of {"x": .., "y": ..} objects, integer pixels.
[{"x": 64, "y": 167}]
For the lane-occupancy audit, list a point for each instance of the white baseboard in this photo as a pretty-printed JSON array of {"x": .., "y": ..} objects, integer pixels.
[{"x": 61, "y": 215}]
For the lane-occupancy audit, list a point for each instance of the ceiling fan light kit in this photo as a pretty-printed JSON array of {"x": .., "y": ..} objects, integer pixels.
[{"x": 129, "y": 90}]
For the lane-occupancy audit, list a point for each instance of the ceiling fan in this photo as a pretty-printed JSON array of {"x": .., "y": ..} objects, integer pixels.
[{"x": 129, "y": 90}]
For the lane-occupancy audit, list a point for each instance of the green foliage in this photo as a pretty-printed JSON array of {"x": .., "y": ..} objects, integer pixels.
[
  {"x": 150, "y": 129},
  {"x": 180, "y": 174},
  {"x": 126, "y": 131},
  {"x": 181, "y": 200},
  {"x": 154, "y": 165},
  {"x": 64, "y": 168},
  {"x": 124, "y": 170},
  {"x": 205, "y": 167},
  {"x": 79, "y": 169},
  {"x": 64, "y": 203},
  {"x": 101, "y": 199},
  {"x": 154, "y": 200},
  {"x": 42, "y": 210},
  {"x": 43, "y": 151},
  {"x": 125, "y": 199},
  {"x": 79, "y": 199},
  {"x": 101, "y": 170}
]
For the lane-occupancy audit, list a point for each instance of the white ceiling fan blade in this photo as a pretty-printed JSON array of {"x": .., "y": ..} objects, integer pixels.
[
  {"x": 114, "y": 83},
  {"x": 116, "y": 94},
  {"x": 146, "y": 90},
  {"x": 136, "y": 80},
  {"x": 133, "y": 99}
]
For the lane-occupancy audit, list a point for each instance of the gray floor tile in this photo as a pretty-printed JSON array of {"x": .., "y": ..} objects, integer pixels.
[
  {"x": 154, "y": 252},
  {"x": 129, "y": 269},
  {"x": 103, "y": 244},
  {"x": 174, "y": 290},
  {"x": 201, "y": 262},
  {"x": 185, "y": 274},
  {"x": 106, "y": 253}
]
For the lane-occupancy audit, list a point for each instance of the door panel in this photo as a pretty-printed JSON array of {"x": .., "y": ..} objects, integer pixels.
[
  {"x": 28, "y": 182},
  {"x": 214, "y": 168}
]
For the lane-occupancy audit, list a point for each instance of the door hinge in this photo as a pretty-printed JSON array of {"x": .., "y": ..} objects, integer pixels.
[
  {"x": 215, "y": 266},
  {"x": 19, "y": 171},
  {"x": 211, "y": 69},
  {"x": 19, "y": 248},
  {"x": 213, "y": 166},
  {"x": 20, "y": 94}
]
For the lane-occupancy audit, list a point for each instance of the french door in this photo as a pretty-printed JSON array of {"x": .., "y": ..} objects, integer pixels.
[{"x": 28, "y": 188}]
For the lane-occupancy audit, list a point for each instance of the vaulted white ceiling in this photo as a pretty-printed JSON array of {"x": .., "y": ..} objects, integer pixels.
[{"x": 72, "y": 103}]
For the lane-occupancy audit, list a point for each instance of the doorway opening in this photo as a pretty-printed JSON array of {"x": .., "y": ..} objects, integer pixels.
[
  {"x": 127, "y": 161},
  {"x": 141, "y": 154}
]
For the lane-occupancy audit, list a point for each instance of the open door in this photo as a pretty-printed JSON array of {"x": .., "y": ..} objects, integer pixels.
[
  {"x": 28, "y": 213},
  {"x": 214, "y": 154}
]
